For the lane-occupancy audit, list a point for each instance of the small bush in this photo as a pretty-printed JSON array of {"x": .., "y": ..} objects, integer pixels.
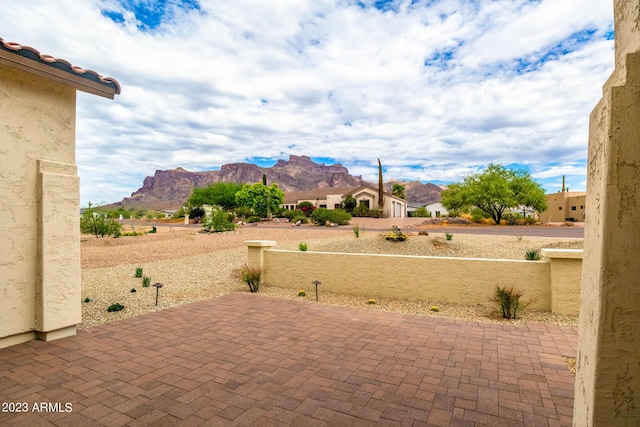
[
  {"x": 87, "y": 299},
  {"x": 371, "y": 301},
  {"x": 532, "y": 255},
  {"x": 356, "y": 231},
  {"x": 253, "y": 219},
  {"x": 138, "y": 272},
  {"x": 115, "y": 307},
  {"x": 435, "y": 308},
  {"x": 302, "y": 293},
  {"x": 395, "y": 235},
  {"x": 322, "y": 216},
  {"x": 448, "y": 236},
  {"x": 218, "y": 222},
  {"x": 307, "y": 207},
  {"x": 421, "y": 212},
  {"x": 508, "y": 300},
  {"x": 153, "y": 230},
  {"x": 302, "y": 246},
  {"x": 529, "y": 221},
  {"x": 519, "y": 238},
  {"x": 146, "y": 282},
  {"x": 251, "y": 276}
]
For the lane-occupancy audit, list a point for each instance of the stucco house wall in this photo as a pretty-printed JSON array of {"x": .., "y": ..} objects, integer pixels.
[
  {"x": 40, "y": 188},
  {"x": 560, "y": 207}
]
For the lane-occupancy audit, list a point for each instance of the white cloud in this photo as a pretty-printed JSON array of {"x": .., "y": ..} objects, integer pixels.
[{"x": 330, "y": 79}]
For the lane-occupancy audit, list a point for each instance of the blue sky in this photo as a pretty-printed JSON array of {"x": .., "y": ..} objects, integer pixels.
[{"x": 436, "y": 89}]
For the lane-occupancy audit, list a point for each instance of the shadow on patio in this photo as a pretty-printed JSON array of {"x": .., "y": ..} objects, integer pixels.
[{"x": 247, "y": 360}]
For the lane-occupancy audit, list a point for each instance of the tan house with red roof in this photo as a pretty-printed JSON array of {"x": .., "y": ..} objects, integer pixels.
[
  {"x": 332, "y": 197},
  {"x": 40, "y": 193}
]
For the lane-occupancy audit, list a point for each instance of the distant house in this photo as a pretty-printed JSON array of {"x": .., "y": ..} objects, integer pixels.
[
  {"x": 564, "y": 206},
  {"x": 332, "y": 197},
  {"x": 40, "y": 225},
  {"x": 436, "y": 210}
]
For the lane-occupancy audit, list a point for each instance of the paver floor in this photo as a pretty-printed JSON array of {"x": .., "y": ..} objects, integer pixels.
[{"x": 248, "y": 360}]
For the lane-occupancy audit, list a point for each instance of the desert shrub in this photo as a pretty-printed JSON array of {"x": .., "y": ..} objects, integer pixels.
[
  {"x": 511, "y": 218},
  {"x": 529, "y": 221},
  {"x": 253, "y": 219},
  {"x": 243, "y": 212},
  {"x": 349, "y": 204},
  {"x": 421, "y": 212},
  {"x": 371, "y": 301},
  {"x": 321, "y": 216},
  {"x": 361, "y": 211},
  {"x": 115, "y": 307},
  {"x": 435, "y": 308},
  {"x": 395, "y": 235},
  {"x": 532, "y": 255},
  {"x": 508, "y": 300},
  {"x": 306, "y": 207},
  {"x": 340, "y": 217},
  {"x": 138, "y": 272},
  {"x": 146, "y": 281},
  {"x": 356, "y": 231},
  {"x": 302, "y": 246},
  {"x": 251, "y": 276},
  {"x": 487, "y": 221},
  {"x": 99, "y": 223},
  {"x": 302, "y": 293},
  {"x": 448, "y": 236},
  {"x": 218, "y": 222},
  {"x": 295, "y": 216}
]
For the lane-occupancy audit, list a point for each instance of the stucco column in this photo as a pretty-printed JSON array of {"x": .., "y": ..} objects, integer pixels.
[
  {"x": 58, "y": 285},
  {"x": 565, "y": 267},
  {"x": 608, "y": 376},
  {"x": 255, "y": 249}
]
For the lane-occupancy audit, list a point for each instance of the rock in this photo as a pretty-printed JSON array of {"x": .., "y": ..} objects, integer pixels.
[
  {"x": 298, "y": 222},
  {"x": 423, "y": 233}
]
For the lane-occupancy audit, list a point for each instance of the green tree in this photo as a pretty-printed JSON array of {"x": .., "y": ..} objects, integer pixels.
[
  {"x": 398, "y": 190},
  {"x": 494, "y": 190},
  {"x": 221, "y": 194},
  {"x": 349, "y": 203},
  {"x": 256, "y": 196},
  {"x": 99, "y": 222}
]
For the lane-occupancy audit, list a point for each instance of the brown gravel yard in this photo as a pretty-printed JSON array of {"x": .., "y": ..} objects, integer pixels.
[{"x": 194, "y": 266}]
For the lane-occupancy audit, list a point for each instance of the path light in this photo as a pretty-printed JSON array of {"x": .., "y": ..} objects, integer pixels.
[
  {"x": 157, "y": 286},
  {"x": 316, "y": 282}
]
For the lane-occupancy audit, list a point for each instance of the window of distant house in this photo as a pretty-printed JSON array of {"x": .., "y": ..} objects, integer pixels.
[
  {"x": 573, "y": 208},
  {"x": 336, "y": 206},
  {"x": 581, "y": 206},
  {"x": 364, "y": 203},
  {"x": 323, "y": 206},
  {"x": 437, "y": 214},
  {"x": 559, "y": 208}
]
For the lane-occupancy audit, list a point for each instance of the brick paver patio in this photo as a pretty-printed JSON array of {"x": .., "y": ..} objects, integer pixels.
[{"x": 247, "y": 360}]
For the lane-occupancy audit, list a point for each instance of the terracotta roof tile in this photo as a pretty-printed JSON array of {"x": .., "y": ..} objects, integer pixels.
[{"x": 61, "y": 64}]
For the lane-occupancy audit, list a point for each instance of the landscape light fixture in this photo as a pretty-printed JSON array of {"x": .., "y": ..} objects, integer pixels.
[
  {"x": 316, "y": 282},
  {"x": 157, "y": 286}
]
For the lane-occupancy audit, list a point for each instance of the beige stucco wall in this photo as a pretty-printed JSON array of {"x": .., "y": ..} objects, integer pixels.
[
  {"x": 553, "y": 284},
  {"x": 608, "y": 369},
  {"x": 39, "y": 225},
  {"x": 455, "y": 280}
]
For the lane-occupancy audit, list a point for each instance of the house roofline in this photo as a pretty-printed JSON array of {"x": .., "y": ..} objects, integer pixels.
[{"x": 28, "y": 59}]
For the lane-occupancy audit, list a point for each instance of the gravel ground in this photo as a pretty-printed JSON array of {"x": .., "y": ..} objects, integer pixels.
[{"x": 194, "y": 266}]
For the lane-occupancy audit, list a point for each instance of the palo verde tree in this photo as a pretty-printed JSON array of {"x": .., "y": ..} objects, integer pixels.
[
  {"x": 256, "y": 196},
  {"x": 221, "y": 194},
  {"x": 495, "y": 190}
]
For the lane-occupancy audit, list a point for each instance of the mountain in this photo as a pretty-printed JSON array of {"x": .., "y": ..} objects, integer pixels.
[{"x": 169, "y": 189}]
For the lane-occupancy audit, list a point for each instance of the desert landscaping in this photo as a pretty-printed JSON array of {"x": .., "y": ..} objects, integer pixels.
[{"x": 194, "y": 266}]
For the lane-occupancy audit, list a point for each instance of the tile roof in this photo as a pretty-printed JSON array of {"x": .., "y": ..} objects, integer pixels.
[{"x": 60, "y": 64}]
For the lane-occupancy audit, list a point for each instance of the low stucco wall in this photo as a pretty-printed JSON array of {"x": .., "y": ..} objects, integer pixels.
[{"x": 452, "y": 280}]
